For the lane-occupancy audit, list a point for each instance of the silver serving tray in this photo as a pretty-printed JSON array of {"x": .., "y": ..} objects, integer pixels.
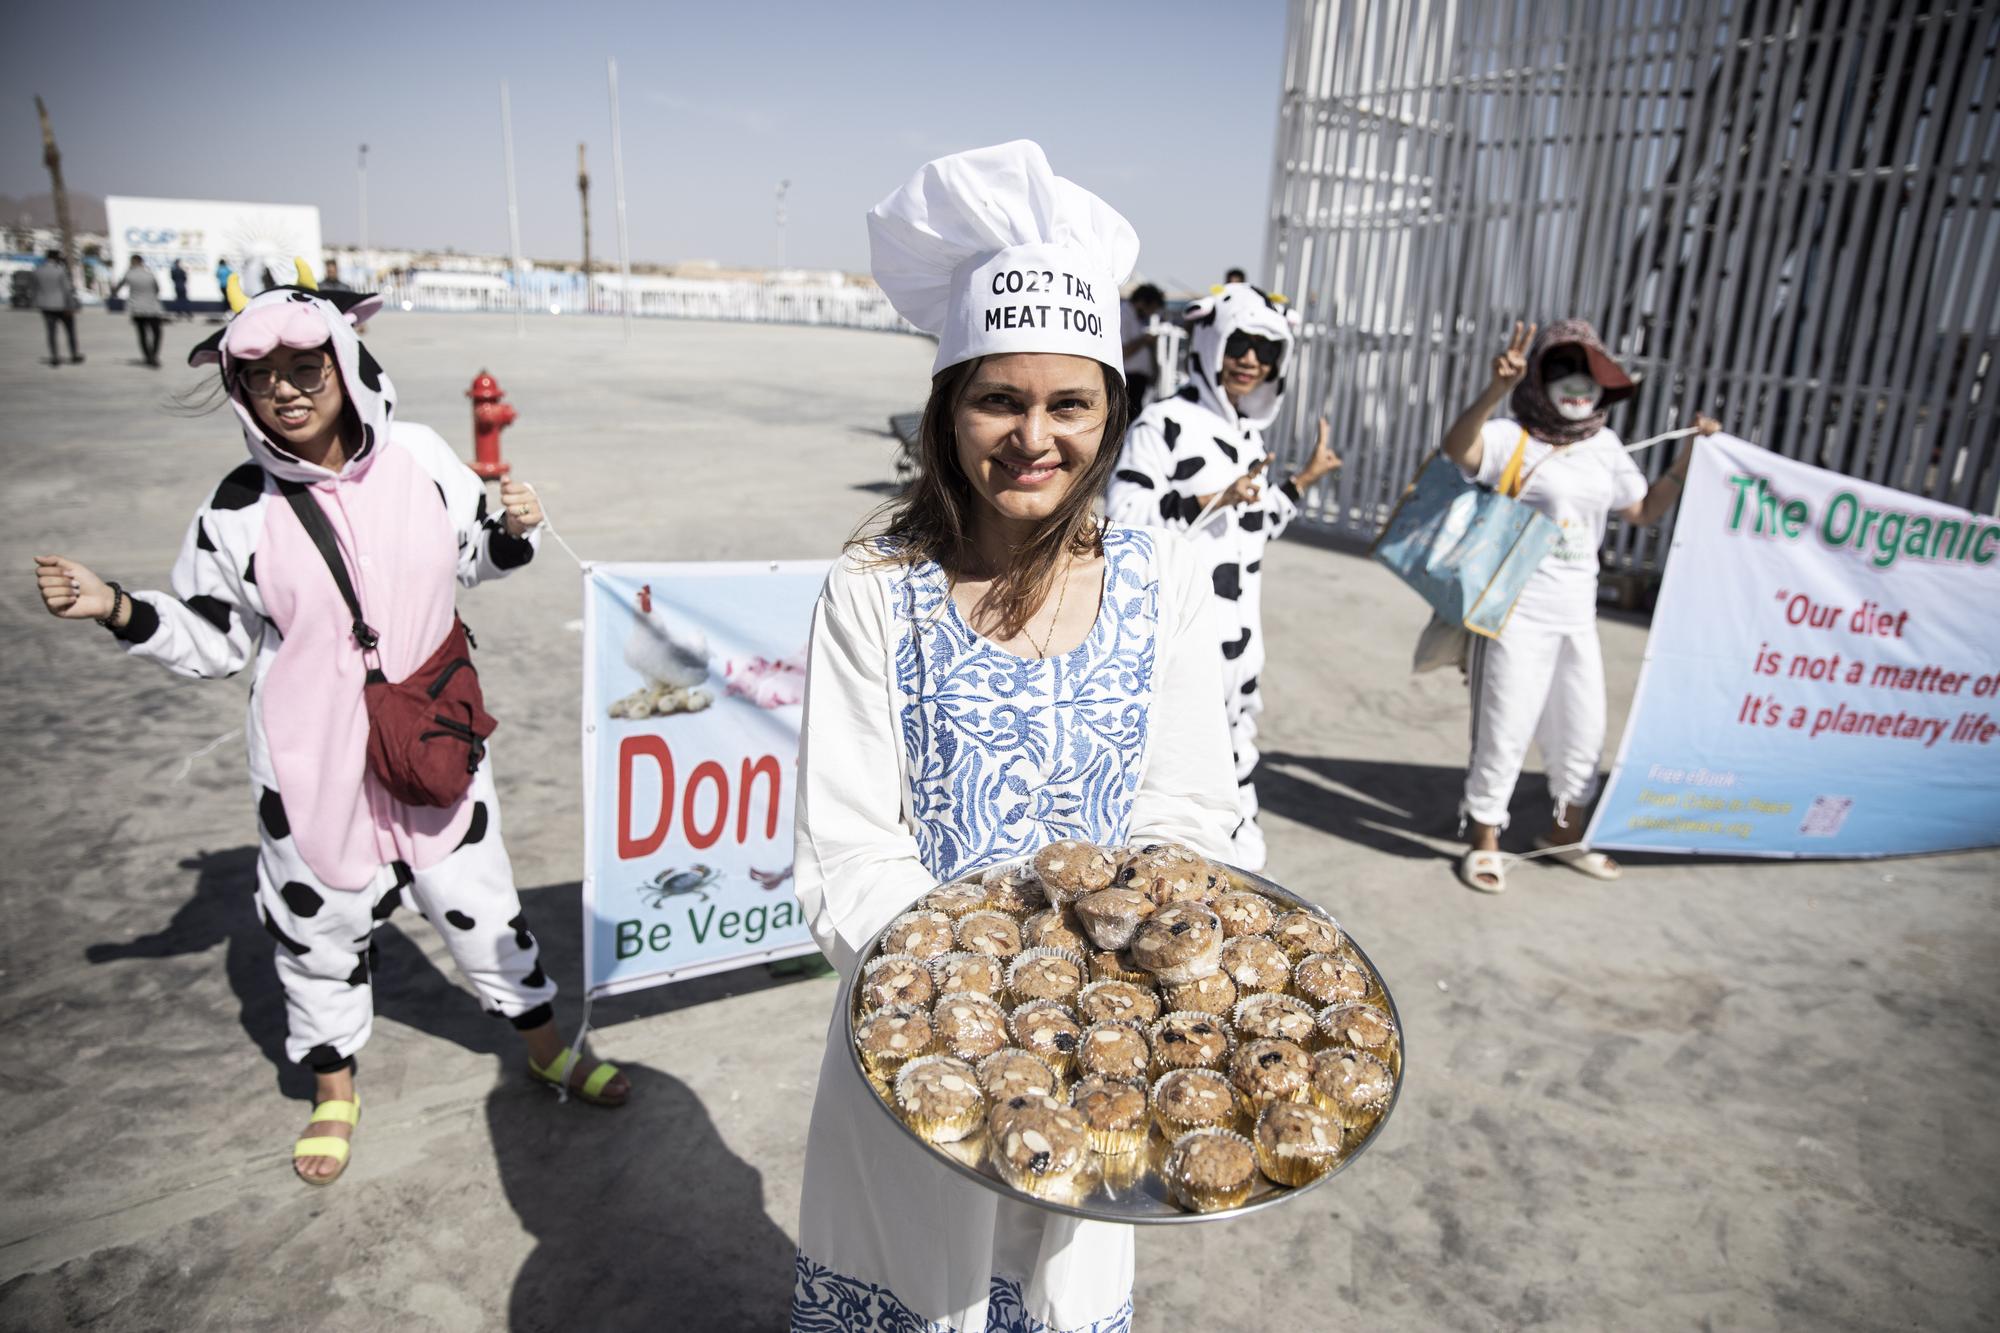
[{"x": 1142, "y": 1201}]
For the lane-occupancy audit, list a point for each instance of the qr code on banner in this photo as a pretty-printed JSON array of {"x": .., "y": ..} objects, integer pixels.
[{"x": 1828, "y": 813}]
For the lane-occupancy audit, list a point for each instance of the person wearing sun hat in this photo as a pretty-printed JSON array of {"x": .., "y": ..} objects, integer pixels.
[
  {"x": 990, "y": 671},
  {"x": 1194, "y": 463},
  {"x": 1542, "y": 680},
  {"x": 337, "y": 852}
]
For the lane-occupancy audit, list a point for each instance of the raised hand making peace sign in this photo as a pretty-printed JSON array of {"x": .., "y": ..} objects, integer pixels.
[{"x": 1510, "y": 365}]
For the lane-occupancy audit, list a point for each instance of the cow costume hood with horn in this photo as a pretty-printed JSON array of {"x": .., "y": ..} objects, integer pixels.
[
  {"x": 1194, "y": 445},
  {"x": 250, "y": 589}
]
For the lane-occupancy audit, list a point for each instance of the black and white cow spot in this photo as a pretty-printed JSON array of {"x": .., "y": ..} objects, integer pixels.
[
  {"x": 302, "y": 899},
  {"x": 1252, "y": 520},
  {"x": 250, "y": 569},
  {"x": 1233, "y": 649},
  {"x": 1136, "y": 478},
  {"x": 385, "y": 906},
  {"x": 280, "y": 936},
  {"x": 371, "y": 370},
  {"x": 519, "y": 925},
  {"x": 1228, "y": 449},
  {"x": 1228, "y": 580},
  {"x": 240, "y": 489},
  {"x": 212, "y": 609},
  {"x": 459, "y": 919},
  {"x": 359, "y": 976},
  {"x": 1253, "y": 566},
  {"x": 1186, "y": 468},
  {"x": 536, "y": 979},
  {"x": 404, "y": 875},
  {"x": 1189, "y": 393},
  {"x": 271, "y": 809},
  {"x": 1195, "y": 370},
  {"x": 201, "y": 541},
  {"x": 1171, "y": 429},
  {"x": 1249, "y": 686},
  {"x": 476, "y": 830}
]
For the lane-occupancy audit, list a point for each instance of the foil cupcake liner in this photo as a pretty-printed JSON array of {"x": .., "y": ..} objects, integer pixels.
[
  {"x": 1062, "y": 1182},
  {"x": 1317, "y": 993},
  {"x": 1015, "y": 889},
  {"x": 941, "y": 1128},
  {"x": 881, "y": 961},
  {"x": 1124, "y": 1024},
  {"x": 1067, "y": 931},
  {"x": 959, "y": 1045},
  {"x": 1173, "y": 1125},
  {"x": 1354, "y": 1116},
  {"x": 1039, "y": 951},
  {"x": 1146, "y": 1007},
  {"x": 1333, "y": 1033},
  {"x": 1116, "y": 965},
  {"x": 1052, "y": 1082},
  {"x": 1115, "y": 1142},
  {"x": 1248, "y": 1027},
  {"x": 1164, "y": 1061},
  {"x": 1212, "y": 994},
  {"x": 1293, "y": 1165},
  {"x": 1021, "y": 1027},
  {"x": 1205, "y": 1198},
  {"x": 941, "y": 971},
  {"x": 884, "y": 1064},
  {"x": 1255, "y": 1093},
  {"x": 1203, "y": 962}
]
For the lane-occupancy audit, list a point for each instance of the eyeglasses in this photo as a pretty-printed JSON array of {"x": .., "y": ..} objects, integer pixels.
[
  {"x": 1241, "y": 344},
  {"x": 308, "y": 377}
]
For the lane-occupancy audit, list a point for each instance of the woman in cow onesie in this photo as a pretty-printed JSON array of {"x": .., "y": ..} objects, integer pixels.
[
  {"x": 337, "y": 853},
  {"x": 1194, "y": 463}
]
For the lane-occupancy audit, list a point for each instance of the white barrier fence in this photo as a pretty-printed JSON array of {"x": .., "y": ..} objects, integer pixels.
[{"x": 768, "y": 302}]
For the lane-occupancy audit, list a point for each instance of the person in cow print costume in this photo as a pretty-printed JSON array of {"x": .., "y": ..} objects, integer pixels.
[
  {"x": 1195, "y": 463},
  {"x": 337, "y": 853}
]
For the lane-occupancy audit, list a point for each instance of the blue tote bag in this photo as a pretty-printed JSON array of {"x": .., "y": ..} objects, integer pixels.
[{"x": 1467, "y": 550}]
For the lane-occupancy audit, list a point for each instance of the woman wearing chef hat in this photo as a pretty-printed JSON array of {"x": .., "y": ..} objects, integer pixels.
[{"x": 994, "y": 671}]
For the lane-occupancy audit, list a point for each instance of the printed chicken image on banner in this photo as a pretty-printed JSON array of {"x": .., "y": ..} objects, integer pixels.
[
  {"x": 1822, "y": 677},
  {"x": 693, "y": 679}
]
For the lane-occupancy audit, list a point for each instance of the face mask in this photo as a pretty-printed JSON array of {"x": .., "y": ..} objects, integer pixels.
[{"x": 1575, "y": 396}]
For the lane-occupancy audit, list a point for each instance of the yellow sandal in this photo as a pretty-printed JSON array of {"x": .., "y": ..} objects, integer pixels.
[
  {"x": 336, "y": 1112},
  {"x": 556, "y": 1075}
]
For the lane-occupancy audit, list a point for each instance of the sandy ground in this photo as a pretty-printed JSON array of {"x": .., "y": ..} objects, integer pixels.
[{"x": 1717, "y": 1096}]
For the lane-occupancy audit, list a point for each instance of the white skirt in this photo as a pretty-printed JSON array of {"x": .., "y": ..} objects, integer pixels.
[{"x": 890, "y": 1238}]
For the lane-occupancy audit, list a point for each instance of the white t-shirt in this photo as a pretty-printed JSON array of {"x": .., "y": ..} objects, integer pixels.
[
  {"x": 1139, "y": 362},
  {"x": 1578, "y": 486}
]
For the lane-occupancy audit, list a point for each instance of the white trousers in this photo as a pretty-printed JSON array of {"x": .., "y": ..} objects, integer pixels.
[
  {"x": 326, "y": 953},
  {"x": 1534, "y": 685},
  {"x": 1246, "y": 842}
]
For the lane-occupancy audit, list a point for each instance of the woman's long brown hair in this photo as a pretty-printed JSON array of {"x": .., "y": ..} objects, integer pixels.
[{"x": 932, "y": 520}]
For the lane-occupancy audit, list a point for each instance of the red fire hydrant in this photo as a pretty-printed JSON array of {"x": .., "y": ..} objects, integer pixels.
[{"x": 490, "y": 416}]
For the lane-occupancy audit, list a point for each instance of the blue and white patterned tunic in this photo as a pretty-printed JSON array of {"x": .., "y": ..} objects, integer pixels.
[
  {"x": 927, "y": 751},
  {"x": 1007, "y": 754}
]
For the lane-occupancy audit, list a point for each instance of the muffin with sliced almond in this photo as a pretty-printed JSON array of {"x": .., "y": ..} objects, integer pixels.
[
  {"x": 922, "y": 934},
  {"x": 1255, "y": 964},
  {"x": 1188, "y": 1039},
  {"x": 968, "y": 974},
  {"x": 896, "y": 978},
  {"x": 1351, "y": 1085},
  {"x": 990, "y": 932},
  {"x": 1114, "y": 1111},
  {"x": 1015, "y": 889},
  {"x": 970, "y": 1026},
  {"x": 1054, "y": 928},
  {"x": 891, "y": 1037},
  {"x": 1011, "y": 1070},
  {"x": 1210, "y": 1170},
  {"x": 1296, "y": 1142},
  {"x": 1069, "y": 868},
  {"x": 1109, "y": 1001},
  {"x": 1301, "y": 933},
  {"x": 1244, "y": 913},
  {"x": 1332, "y": 978},
  {"x": 1180, "y": 942},
  {"x": 940, "y": 1098},
  {"x": 955, "y": 899},
  {"x": 1269, "y": 1014},
  {"x": 1043, "y": 1151},
  {"x": 1111, "y": 917},
  {"x": 1117, "y": 1049},
  {"x": 1047, "y": 1029},
  {"x": 1271, "y": 1069},
  {"x": 1212, "y": 994}
]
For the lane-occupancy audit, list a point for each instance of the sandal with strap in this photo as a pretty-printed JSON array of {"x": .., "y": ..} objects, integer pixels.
[
  {"x": 556, "y": 1075},
  {"x": 332, "y": 1112},
  {"x": 1477, "y": 863},
  {"x": 1581, "y": 859}
]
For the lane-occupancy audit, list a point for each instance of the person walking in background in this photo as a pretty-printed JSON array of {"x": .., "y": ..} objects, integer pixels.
[
  {"x": 179, "y": 275},
  {"x": 1193, "y": 464},
  {"x": 55, "y": 297},
  {"x": 222, "y": 275},
  {"x": 1142, "y": 368},
  {"x": 1542, "y": 680},
  {"x": 142, "y": 302}
]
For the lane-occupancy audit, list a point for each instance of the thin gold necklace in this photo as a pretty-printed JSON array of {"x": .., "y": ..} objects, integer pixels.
[{"x": 1042, "y": 648}]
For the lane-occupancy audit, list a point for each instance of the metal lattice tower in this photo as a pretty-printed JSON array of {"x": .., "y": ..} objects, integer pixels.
[{"x": 1784, "y": 214}]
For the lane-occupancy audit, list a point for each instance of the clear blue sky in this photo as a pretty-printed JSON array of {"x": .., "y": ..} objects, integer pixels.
[{"x": 1166, "y": 109}]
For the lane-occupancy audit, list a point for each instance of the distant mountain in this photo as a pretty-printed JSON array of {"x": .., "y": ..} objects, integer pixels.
[{"x": 86, "y": 211}]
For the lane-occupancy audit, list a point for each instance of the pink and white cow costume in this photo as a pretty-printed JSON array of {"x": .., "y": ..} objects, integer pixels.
[{"x": 250, "y": 589}]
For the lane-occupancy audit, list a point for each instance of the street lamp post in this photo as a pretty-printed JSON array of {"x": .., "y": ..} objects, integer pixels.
[
  {"x": 367, "y": 276},
  {"x": 784, "y": 255}
]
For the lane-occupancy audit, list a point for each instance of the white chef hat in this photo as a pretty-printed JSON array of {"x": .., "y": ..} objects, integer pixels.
[{"x": 993, "y": 252}]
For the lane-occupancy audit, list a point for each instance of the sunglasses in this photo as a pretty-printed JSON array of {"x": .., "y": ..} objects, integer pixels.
[
  {"x": 308, "y": 377},
  {"x": 1268, "y": 351}
]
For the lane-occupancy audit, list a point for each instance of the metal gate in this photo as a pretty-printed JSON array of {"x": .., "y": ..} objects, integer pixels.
[{"x": 1784, "y": 214}]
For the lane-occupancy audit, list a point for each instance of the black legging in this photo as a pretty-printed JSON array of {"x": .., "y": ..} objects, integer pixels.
[
  {"x": 149, "y": 337},
  {"x": 65, "y": 318}
]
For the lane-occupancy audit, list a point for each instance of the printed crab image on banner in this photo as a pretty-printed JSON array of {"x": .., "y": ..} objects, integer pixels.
[{"x": 694, "y": 677}]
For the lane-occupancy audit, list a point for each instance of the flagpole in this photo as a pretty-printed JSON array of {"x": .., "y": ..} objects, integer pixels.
[
  {"x": 618, "y": 182},
  {"x": 513, "y": 213}
]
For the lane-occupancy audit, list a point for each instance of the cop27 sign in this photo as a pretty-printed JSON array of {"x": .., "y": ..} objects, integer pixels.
[
  {"x": 1823, "y": 673},
  {"x": 693, "y": 679}
]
